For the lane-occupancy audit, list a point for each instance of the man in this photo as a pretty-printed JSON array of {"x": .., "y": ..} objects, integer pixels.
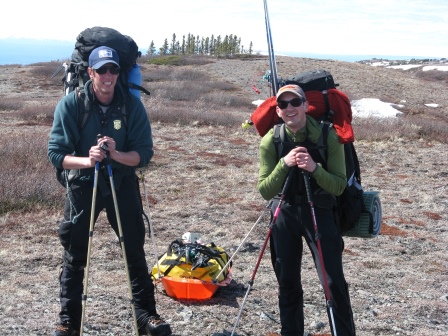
[
  {"x": 127, "y": 142},
  {"x": 294, "y": 221}
]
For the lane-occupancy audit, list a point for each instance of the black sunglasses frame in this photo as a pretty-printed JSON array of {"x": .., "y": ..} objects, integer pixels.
[
  {"x": 296, "y": 102},
  {"x": 113, "y": 69}
]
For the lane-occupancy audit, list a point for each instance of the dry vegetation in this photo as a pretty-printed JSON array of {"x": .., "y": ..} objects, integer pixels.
[{"x": 203, "y": 179}]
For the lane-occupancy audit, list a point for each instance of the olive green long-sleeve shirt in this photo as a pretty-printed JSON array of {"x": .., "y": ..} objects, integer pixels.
[{"x": 273, "y": 172}]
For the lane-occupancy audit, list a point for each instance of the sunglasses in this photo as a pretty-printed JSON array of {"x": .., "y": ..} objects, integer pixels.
[
  {"x": 296, "y": 102},
  {"x": 114, "y": 70}
]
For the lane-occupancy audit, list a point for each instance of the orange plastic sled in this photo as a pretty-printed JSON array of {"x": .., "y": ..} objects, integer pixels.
[{"x": 191, "y": 289}]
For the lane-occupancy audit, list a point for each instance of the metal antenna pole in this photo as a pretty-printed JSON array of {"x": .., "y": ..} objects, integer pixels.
[{"x": 272, "y": 61}]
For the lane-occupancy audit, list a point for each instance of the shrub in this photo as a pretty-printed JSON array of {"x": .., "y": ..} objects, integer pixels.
[
  {"x": 197, "y": 113},
  {"x": 11, "y": 103},
  {"x": 433, "y": 75},
  {"x": 379, "y": 129},
  {"x": 37, "y": 114},
  {"x": 45, "y": 69},
  {"x": 179, "y": 60},
  {"x": 194, "y": 86},
  {"x": 27, "y": 178}
]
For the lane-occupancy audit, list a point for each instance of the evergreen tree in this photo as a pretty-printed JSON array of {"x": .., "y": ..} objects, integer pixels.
[
  {"x": 218, "y": 51},
  {"x": 164, "y": 48},
  {"x": 196, "y": 45},
  {"x": 202, "y": 46},
  {"x": 212, "y": 46},
  {"x": 173, "y": 45},
  {"x": 225, "y": 46},
  {"x": 183, "y": 45},
  {"x": 151, "y": 50},
  {"x": 190, "y": 44},
  {"x": 207, "y": 46}
]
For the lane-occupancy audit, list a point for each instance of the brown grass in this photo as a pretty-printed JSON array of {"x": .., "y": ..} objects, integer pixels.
[
  {"x": 27, "y": 175},
  {"x": 203, "y": 179}
]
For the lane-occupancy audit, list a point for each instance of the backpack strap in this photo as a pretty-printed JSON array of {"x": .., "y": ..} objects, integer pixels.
[
  {"x": 355, "y": 161},
  {"x": 124, "y": 115},
  {"x": 81, "y": 72},
  {"x": 322, "y": 143},
  {"x": 321, "y": 146},
  {"x": 138, "y": 87},
  {"x": 279, "y": 139},
  {"x": 84, "y": 107},
  {"x": 326, "y": 123}
]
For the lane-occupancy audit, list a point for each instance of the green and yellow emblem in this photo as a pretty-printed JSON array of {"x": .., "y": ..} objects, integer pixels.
[{"x": 117, "y": 124}]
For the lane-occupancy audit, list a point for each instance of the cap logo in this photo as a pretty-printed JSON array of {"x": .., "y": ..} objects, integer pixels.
[{"x": 104, "y": 53}]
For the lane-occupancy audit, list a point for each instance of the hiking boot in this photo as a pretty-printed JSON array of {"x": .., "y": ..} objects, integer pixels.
[
  {"x": 65, "y": 329},
  {"x": 155, "y": 327}
]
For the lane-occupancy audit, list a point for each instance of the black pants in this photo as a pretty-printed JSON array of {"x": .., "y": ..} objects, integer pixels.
[
  {"x": 294, "y": 222},
  {"x": 74, "y": 237}
]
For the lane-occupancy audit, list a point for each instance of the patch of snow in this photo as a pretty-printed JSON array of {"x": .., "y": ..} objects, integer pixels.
[
  {"x": 257, "y": 102},
  {"x": 436, "y": 67},
  {"x": 404, "y": 66},
  {"x": 373, "y": 107},
  {"x": 382, "y": 63},
  {"x": 432, "y": 105}
]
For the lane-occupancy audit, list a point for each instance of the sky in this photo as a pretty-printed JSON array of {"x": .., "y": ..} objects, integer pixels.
[{"x": 357, "y": 27}]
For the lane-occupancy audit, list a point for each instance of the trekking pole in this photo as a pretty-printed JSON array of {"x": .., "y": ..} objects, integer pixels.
[
  {"x": 148, "y": 219},
  {"x": 272, "y": 61},
  {"x": 319, "y": 249},
  {"x": 120, "y": 231},
  {"x": 268, "y": 205},
  {"x": 274, "y": 219},
  {"x": 89, "y": 247}
]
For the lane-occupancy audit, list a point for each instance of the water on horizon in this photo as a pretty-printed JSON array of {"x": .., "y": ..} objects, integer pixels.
[{"x": 25, "y": 51}]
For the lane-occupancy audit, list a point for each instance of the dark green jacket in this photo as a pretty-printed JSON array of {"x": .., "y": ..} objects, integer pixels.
[
  {"x": 272, "y": 172},
  {"x": 132, "y": 133}
]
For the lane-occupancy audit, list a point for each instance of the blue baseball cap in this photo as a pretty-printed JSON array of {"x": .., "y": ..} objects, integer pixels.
[{"x": 103, "y": 55}]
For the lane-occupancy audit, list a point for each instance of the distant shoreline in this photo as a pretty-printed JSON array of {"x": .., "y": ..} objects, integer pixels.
[{"x": 25, "y": 52}]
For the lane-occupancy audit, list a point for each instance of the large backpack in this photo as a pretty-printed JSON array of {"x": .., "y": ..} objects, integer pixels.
[
  {"x": 76, "y": 74},
  {"x": 332, "y": 108},
  {"x": 76, "y": 71}
]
